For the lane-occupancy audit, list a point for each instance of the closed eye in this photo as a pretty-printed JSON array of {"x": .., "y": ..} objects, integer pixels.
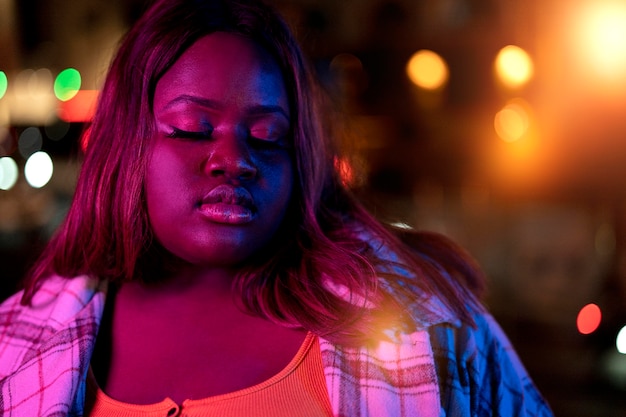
[
  {"x": 187, "y": 134},
  {"x": 264, "y": 144},
  {"x": 270, "y": 133}
]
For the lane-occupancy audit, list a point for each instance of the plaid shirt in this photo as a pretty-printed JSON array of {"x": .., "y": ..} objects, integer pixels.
[{"x": 445, "y": 369}]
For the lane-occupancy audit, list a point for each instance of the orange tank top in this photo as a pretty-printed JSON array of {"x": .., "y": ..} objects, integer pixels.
[{"x": 298, "y": 390}]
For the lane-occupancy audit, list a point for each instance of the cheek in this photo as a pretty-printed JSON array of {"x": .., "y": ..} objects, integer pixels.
[
  {"x": 164, "y": 184},
  {"x": 168, "y": 168},
  {"x": 280, "y": 178},
  {"x": 286, "y": 192}
]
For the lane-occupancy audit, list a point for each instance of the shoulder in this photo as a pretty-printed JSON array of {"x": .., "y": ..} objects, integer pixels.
[
  {"x": 55, "y": 301},
  {"x": 480, "y": 372},
  {"x": 476, "y": 344},
  {"x": 413, "y": 287},
  {"x": 59, "y": 308}
]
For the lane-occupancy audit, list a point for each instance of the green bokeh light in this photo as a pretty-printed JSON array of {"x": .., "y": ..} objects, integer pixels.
[
  {"x": 3, "y": 83},
  {"x": 67, "y": 84}
]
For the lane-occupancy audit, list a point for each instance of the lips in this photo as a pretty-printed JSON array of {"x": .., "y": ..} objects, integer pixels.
[{"x": 228, "y": 204}]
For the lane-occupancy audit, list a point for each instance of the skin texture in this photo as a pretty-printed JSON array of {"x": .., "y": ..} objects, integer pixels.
[{"x": 222, "y": 119}]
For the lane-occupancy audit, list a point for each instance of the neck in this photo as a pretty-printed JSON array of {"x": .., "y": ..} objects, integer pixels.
[{"x": 186, "y": 281}]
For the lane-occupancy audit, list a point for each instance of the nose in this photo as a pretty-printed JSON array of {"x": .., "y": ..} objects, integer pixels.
[{"x": 230, "y": 157}]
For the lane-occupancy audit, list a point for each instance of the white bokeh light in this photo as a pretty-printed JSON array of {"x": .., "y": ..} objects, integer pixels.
[
  {"x": 38, "y": 169},
  {"x": 8, "y": 173},
  {"x": 621, "y": 341}
]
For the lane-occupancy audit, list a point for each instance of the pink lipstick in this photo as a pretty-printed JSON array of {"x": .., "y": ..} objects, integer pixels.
[{"x": 228, "y": 204}]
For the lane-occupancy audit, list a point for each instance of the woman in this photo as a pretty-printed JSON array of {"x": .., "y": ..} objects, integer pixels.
[{"x": 223, "y": 267}]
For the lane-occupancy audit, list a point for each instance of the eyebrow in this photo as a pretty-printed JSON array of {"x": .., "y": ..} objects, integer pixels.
[{"x": 257, "y": 109}]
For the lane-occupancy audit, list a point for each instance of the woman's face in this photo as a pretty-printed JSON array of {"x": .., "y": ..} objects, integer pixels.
[{"x": 220, "y": 174}]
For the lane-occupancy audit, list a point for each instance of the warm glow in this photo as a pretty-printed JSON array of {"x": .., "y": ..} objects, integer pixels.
[
  {"x": 589, "y": 319},
  {"x": 511, "y": 122},
  {"x": 514, "y": 67},
  {"x": 345, "y": 170},
  {"x": 84, "y": 138},
  {"x": 30, "y": 100},
  {"x": 602, "y": 38},
  {"x": 80, "y": 108},
  {"x": 426, "y": 69}
]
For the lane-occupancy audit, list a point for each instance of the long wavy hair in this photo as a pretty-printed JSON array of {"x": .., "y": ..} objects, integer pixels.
[{"x": 333, "y": 268}]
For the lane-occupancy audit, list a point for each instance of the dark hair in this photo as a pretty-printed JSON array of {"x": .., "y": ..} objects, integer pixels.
[{"x": 329, "y": 245}]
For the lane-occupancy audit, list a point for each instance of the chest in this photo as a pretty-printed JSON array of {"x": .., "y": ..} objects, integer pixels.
[{"x": 142, "y": 358}]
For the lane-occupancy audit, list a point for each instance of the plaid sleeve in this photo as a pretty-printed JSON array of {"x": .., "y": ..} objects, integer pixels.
[
  {"x": 480, "y": 373},
  {"x": 45, "y": 348},
  {"x": 393, "y": 379}
]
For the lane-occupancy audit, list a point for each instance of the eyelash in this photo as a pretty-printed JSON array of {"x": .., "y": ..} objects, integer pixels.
[
  {"x": 185, "y": 134},
  {"x": 261, "y": 144}
]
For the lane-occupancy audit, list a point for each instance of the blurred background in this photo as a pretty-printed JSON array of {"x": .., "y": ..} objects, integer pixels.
[{"x": 500, "y": 123}]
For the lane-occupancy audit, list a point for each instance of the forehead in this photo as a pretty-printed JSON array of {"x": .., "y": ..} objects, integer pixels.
[{"x": 227, "y": 67}]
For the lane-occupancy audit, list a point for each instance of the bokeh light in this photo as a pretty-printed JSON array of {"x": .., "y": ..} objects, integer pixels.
[
  {"x": 80, "y": 108},
  {"x": 620, "y": 342},
  {"x": 4, "y": 83},
  {"x": 350, "y": 76},
  {"x": 32, "y": 98},
  {"x": 67, "y": 84},
  {"x": 512, "y": 121},
  {"x": 40, "y": 82},
  {"x": 602, "y": 37},
  {"x": 8, "y": 173},
  {"x": 402, "y": 225},
  {"x": 30, "y": 141},
  {"x": 345, "y": 170},
  {"x": 38, "y": 169},
  {"x": 589, "y": 318},
  {"x": 514, "y": 67},
  {"x": 22, "y": 83},
  {"x": 55, "y": 128},
  {"x": 427, "y": 70}
]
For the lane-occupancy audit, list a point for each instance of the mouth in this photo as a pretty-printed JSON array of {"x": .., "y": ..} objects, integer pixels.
[{"x": 227, "y": 204}]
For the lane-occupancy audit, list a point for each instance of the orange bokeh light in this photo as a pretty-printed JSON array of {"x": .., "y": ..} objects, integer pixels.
[
  {"x": 514, "y": 67},
  {"x": 427, "y": 70}
]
